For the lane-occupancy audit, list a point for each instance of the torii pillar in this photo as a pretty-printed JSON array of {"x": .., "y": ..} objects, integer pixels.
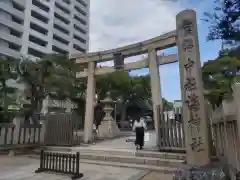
[
  {"x": 90, "y": 98},
  {"x": 156, "y": 91}
]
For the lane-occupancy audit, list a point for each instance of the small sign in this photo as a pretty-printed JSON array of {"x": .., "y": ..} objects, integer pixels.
[{"x": 118, "y": 61}]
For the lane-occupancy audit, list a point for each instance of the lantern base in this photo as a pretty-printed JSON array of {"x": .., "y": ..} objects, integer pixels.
[{"x": 108, "y": 129}]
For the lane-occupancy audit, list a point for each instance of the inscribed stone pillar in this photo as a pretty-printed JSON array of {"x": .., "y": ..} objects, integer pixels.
[
  {"x": 90, "y": 97},
  {"x": 194, "y": 117},
  {"x": 156, "y": 91}
]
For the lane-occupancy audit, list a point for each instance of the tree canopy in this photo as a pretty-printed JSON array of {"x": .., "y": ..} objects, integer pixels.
[
  {"x": 218, "y": 77},
  {"x": 224, "y": 21},
  {"x": 54, "y": 76}
]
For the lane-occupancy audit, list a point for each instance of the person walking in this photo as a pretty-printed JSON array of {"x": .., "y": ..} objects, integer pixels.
[
  {"x": 139, "y": 127},
  {"x": 94, "y": 134}
]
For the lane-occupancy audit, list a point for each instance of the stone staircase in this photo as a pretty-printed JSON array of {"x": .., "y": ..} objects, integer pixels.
[{"x": 145, "y": 160}]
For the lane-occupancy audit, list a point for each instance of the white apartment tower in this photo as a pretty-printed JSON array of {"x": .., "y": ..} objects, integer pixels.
[{"x": 34, "y": 28}]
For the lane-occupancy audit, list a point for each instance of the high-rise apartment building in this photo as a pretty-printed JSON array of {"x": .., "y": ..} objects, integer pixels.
[{"x": 34, "y": 28}]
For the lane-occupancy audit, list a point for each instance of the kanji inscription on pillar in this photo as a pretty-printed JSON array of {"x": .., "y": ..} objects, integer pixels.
[{"x": 195, "y": 124}]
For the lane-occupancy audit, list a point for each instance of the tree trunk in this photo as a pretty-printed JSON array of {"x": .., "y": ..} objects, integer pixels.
[{"x": 123, "y": 113}]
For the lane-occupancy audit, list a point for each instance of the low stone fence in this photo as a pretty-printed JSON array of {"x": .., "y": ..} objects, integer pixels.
[{"x": 225, "y": 124}]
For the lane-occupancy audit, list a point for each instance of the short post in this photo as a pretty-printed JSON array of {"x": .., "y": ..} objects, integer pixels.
[
  {"x": 43, "y": 131},
  {"x": 41, "y": 169},
  {"x": 77, "y": 173},
  {"x": 17, "y": 121}
]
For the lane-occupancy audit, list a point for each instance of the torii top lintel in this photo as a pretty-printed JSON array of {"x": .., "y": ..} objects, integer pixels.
[{"x": 160, "y": 42}]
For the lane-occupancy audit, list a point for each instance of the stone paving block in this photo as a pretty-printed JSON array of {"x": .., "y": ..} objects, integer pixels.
[
  {"x": 151, "y": 161},
  {"x": 125, "y": 159}
]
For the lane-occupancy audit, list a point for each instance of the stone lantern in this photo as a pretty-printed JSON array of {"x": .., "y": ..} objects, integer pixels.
[{"x": 108, "y": 127}]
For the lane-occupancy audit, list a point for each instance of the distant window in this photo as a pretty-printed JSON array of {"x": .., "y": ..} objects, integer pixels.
[
  {"x": 38, "y": 28},
  {"x": 14, "y": 46},
  {"x": 38, "y": 41},
  {"x": 79, "y": 39},
  {"x": 63, "y": 9},
  {"x": 78, "y": 48},
  {"x": 59, "y": 50},
  {"x": 13, "y": 32},
  {"x": 80, "y": 20},
  {"x": 39, "y": 16},
  {"x": 78, "y": 9},
  {"x": 61, "y": 40},
  {"x": 66, "y": 21},
  {"x": 40, "y": 5},
  {"x": 63, "y": 30},
  {"x": 17, "y": 6},
  {"x": 35, "y": 53},
  {"x": 79, "y": 29},
  {"x": 82, "y": 3},
  {"x": 17, "y": 20}
]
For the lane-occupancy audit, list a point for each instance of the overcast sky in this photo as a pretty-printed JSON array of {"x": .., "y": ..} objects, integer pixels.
[{"x": 114, "y": 23}]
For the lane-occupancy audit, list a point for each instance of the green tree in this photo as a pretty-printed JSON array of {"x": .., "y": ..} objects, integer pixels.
[
  {"x": 50, "y": 76},
  {"x": 127, "y": 89},
  {"x": 7, "y": 73},
  {"x": 218, "y": 77},
  {"x": 168, "y": 106},
  {"x": 224, "y": 21}
]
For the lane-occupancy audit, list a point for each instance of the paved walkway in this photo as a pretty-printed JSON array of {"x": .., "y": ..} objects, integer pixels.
[
  {"x": 121, "y": 143},
  {"x": 22, "y": 168},
  {"x": 157, "y": 176}
]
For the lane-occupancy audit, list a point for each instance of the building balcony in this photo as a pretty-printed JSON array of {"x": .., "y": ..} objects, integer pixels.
[
  {"x": 62, "y": 14},
  {"x": 60, "y": 45},
  {"x": 84, "y": 27},
  {"x": 61, "y": 34},
  {"x": 84, "y": 36},
  {"x": 40, "y": 11},
  {"x": 64, "y": 5},
  {"x": 39, "y": 23},
  {"x": 9, "y": 38},
  {"x": 42, "y": 49},
  {"x": 80, "y": 44},
  {"x": 38, "y": 35},
  {"x": 7, "y": 8},
  {"x": 9, "y": 52},
  {"x": 22, "y": 2},
  {"x": 81, "y": 2},
  {"x": 11, "y": 24},
  {"x": 61, "y": 24}
]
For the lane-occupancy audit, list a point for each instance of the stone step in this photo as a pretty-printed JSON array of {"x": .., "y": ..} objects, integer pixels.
[
  {"x": 132, "y": 159},
  {"x": 152, "y": 167},
  {"x": 130, "y": 152},
  {"x": 162, "y": 169},
  {"x": 124, "y": 152}
]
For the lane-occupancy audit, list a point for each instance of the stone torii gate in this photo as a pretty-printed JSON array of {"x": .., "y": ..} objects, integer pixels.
[{"x": 186, "y": 39}]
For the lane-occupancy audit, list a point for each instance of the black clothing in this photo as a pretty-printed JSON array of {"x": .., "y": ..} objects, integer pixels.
[{"x": 139, "y": 136}]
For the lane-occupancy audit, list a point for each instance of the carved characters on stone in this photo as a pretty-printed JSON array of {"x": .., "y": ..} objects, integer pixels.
[
  {"x": 190, "y": 84},
  {"x": 194, "y": 122},
  {"x": 189, "y": 64},
  {"x": 190, "y": 87},
  {"x": 193, "y": 102},
  {"x": 187, "y": 27},
  {"x": 188, "y": 44},
  {"x": 197, "y": 143}
]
